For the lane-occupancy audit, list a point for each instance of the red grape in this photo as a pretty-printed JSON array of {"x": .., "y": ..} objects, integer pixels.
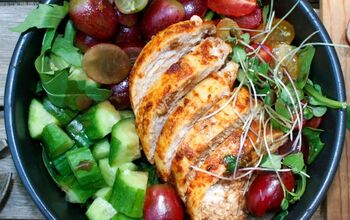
[
  {"x": 84, "y": 42},
  {"x": 250, "y": 21},
  {"x": 132, "y": 49},
  {"x": 235, "y": 8},
  {"x": 160, "y": 14},
  {"x": 120, "y": 95},
  {"x": 162, "y": 203},
  {"x": 127, "y": 19},
  {"x": 129, "y": 34},
  {"x": 265, "y": 192},
  {"x": 194, "y": 7}
]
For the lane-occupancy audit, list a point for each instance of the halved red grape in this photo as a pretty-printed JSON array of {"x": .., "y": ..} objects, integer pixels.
[
  {"x": 194, "y": 7},
  {"x": 106, "y": 63},
  {"x": 84, "y": 42}
]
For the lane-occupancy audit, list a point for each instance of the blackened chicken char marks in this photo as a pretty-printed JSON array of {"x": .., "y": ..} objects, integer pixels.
[{"x": 207, "y": 57}]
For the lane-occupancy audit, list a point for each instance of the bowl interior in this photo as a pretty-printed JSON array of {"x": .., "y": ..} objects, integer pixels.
[{"x": 20, "y": 89}]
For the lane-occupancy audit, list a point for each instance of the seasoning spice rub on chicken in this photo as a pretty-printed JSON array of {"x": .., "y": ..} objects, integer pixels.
[{"x": 189, "y": 117}]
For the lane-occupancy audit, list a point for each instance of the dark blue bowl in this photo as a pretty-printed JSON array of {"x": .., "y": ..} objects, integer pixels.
[{"x": 26, "y": 153}]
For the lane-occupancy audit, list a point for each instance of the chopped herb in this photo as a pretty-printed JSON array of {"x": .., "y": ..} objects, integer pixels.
[{"x": 230, "y": 162}]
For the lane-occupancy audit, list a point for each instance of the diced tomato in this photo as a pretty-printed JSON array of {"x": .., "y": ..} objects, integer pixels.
[
  {"x": 264, "y": 52},
  {"x": 250, "y": 21},
  {"x": 233, "y": 8},
  {"x": 314, "y": 122}
]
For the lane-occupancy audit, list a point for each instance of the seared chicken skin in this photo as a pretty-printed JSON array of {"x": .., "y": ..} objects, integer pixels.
[
  {"x": 194, "y": 105},
  {"x": 165, "y": 49},
  {"x": 154, "y": 109},
  {"x": 206, "y": 134}
]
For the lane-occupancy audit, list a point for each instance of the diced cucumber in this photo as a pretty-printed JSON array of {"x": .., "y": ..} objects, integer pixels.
[
  {"x": 100, "y": 209},
  {"x": 55, "y": 140},
  {"x": 38, "y": 118},
  {"x": 69, "y": 184},
  {"x": 125, "y": 144},
  {"x": 128, "y": 194},
  {"x": 99, "y": 120},
  {"x": 63, "y": 115},
  {"x": 62, "y": 166},
  {"x": 109, "y": 172},
  {"x": 127, "y": 114},
  {"x": 85, "y": 168},
  {"x": 120, "y": 216},
  {"x": 75, "y": 130},
  {"x": 75, "y": 193},
  {"x": 104, "y": 193},
  {"x": 100, "y": 149}
]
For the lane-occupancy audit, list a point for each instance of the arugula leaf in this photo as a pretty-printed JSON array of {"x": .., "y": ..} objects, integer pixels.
[
  {"x": 281, "y": 215},
  {"x": 348, "y": 117},
  {"x": 265, "y": 13},
  {"x": 288, "y": 99},
  {"x": 45, "y": 16},
  {"x": 305, "y": 56},
  {"x": 75, "y": 94},
  {"x": 48, "y": 39},
  {"x": 65, "y": 49},
  {"x": 294, "y": 161},
  {"x": 274, "y": 162},
  {"x": 239, "y": 54},
  {"x": 70, "y": 32},
  {"x": 314, "y": 141},
  {"x": 299, "y": 189},
  {"x": 230, "y": 162}
]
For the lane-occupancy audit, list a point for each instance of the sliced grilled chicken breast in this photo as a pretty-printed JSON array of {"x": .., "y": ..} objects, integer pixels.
[
  {"x": 154, "y": 109},
  {"x": 165, "y": 49},
  {"x": 206, "y": 134},
  {"x": 198, "y": 101},
  {"x": 201, "y": 183}
]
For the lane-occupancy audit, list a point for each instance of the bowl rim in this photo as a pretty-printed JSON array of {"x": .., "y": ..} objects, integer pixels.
[{"x": 10, "y": 116}]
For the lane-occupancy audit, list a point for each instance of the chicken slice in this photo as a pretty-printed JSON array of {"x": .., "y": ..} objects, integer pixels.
[
  {"x": 198, "y": 101},
  {"x": 207, "y": 134},
  {"x": 199, "y": 201},
  {"x": 165, "y": 49},
  {"x": 209, "y": 56}
]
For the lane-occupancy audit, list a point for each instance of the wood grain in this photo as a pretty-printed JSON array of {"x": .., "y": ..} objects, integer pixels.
[{"x": 335, "y": 15}]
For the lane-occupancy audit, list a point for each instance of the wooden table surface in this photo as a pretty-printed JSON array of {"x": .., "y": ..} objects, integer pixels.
[{"x": 18, "y": 205}]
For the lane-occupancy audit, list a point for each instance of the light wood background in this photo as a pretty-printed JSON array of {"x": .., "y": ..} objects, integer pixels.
[{"x": 335, "y": 15}]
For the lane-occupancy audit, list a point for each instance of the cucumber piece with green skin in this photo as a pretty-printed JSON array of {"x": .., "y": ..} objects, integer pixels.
[
  {"x": 38, "y": 118},
  {"x": 55, "y": 140},
  {"x": 127, "y": 114},
  {"x": 69, "y": 184},
  {"x": 100, "y": 209},
  {"x": 62, "y": 166},
  {"x": 125, "y": 144},
  {"x": 101, "y": 149},
  {"x": 75, "y": 130},
  {"x": 63, "y": 115},
  {"x": 104, "y": 193},
  {"x": 109, "y": 172},
  {"x": 128, "y": 193},
  {"x": 85, "y": 168},
  {"x": 99, "y": 120}
]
